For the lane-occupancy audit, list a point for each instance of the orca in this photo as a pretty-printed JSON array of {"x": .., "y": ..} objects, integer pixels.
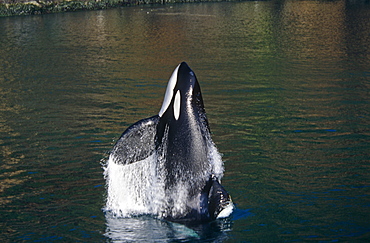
[{"x": 188, "y": 167}]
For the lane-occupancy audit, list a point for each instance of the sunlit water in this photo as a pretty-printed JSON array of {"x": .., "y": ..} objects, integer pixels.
[{"x": 285, "y": 87}]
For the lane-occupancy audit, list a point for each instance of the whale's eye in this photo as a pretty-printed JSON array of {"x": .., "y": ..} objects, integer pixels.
[{"x": 176, "y": 105}]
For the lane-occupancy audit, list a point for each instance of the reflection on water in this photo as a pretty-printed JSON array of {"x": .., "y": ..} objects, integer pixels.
[
  {"x": 286, "y": 89},
  {"x": 156, "y": 230}
]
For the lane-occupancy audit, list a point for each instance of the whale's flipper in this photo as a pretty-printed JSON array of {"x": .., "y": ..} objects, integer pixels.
[
  {"x": 220, "y": 202},
  {"x": 137, "y": 142}
]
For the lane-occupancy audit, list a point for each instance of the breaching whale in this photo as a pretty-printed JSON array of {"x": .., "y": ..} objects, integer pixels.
[{"x": 168, "y": 165}]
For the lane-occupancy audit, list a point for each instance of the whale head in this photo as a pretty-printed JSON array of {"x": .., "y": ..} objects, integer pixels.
[{"x": 182, "y": 94}]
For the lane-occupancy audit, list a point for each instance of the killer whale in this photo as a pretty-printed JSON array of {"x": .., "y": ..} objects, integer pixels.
[{"x": 187, "y": 165}]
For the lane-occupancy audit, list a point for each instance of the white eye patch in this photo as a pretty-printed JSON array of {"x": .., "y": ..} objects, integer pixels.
[{"x": 176, "y": 105}]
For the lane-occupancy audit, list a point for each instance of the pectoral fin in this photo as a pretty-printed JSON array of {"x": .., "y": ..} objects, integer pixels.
[
  {"x": 137, "y": 142},
  {"x": 220, "y": 203}
]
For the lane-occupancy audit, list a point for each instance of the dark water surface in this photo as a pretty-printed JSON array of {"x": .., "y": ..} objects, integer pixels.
[{"x": 285, "y": 86}]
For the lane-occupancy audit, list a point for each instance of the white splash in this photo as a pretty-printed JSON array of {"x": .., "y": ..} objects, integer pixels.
[
  {"x": 215, "y": 160},
  {"x": 133, "y": 189},
  {"x": 139, "y": 188}
]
